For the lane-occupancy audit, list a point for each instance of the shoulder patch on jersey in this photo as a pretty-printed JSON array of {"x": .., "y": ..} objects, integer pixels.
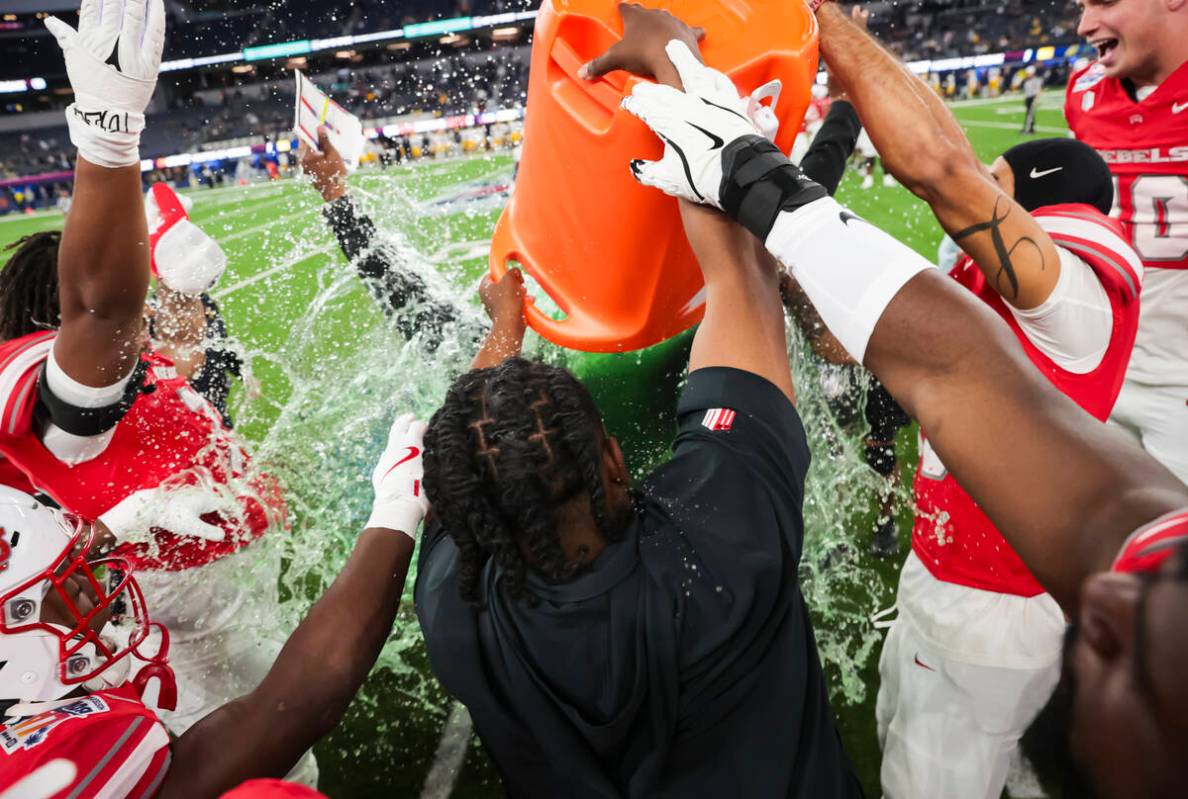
[
  {"x": 1087, "y": 101},
  {"x": 1090, "y": 77},
  {"x": 28, "y": 732},
  {"x": 718, "y": 419}
]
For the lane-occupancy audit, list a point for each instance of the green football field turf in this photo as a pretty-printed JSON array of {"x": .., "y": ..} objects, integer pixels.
[{"x": 310, "y": 332}]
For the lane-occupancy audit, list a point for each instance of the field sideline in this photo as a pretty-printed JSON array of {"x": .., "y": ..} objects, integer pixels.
[{"x": 285, "y": 268}]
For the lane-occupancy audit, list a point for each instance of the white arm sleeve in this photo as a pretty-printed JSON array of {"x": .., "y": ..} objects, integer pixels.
[
  {"x": 849, "y": 268},
  {"x": 67, "y": 447},
  {"x": 1074, "y": 325}
]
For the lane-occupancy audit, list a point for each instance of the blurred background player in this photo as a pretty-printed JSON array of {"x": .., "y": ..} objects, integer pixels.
[
  {"x": 79, "y": 647},
  {"x": 869, "y": 158},
  {"x": 1032, "y": 86},
  {"x": 814, "y": 118},
  {"x": 1132, "y": 106}
]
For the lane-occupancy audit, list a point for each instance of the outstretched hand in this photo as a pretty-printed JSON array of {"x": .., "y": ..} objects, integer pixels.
[
  {"x": 326, "y": 169},
  {"x": 697, "y": 125},
  {"x": 107, "y": 115},
  {"x": 503, "y": 301},
  {"x": 646, "y": 32},
  {"x": 178, "y": 510}
]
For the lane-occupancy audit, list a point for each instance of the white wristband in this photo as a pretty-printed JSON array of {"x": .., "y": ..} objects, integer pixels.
[
  {"x": 401, "y": 515},
  {"x": 105, "y": 138},
  {"x": 849, "y": 268}
]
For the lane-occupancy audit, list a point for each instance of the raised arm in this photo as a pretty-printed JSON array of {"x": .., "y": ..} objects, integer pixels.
[
  {"x": 398, "y": 289},
  {"x": 743, "y": 325},
  {"x": 103, "y": 262},
  {"x": 327, "y": 657},
  {"x": 922, "y": 145},
  {"x": 504, "y": 304},
  {"x": 1064, "y": 489}
]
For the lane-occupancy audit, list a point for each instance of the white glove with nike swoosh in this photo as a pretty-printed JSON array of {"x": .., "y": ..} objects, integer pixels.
[
  {"x": 694, "y": 124},
  {"x": 107, "y": 115},
  {"x": 713, "y": 152},
  {"x": 400, "y": 502},
  {"x": 175, "y": 510}
]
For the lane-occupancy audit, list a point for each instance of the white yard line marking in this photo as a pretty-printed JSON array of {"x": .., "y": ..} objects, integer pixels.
[
  {"x": 269, "y": 272},
  {"x": 239, "y": 234},
  {"x": 451, "y": 753},
  {"x": 1007, "y": 98}
]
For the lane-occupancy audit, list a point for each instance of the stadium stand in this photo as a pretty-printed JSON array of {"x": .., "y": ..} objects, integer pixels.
[{"x": 240, "y": 102}]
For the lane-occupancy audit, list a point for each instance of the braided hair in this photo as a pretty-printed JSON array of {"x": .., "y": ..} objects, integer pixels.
[
  {"x": 508, "y": 448},
  {"x": 29, "y": 286}
]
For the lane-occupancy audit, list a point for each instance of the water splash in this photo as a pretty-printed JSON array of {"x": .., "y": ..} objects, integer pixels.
[{"x": 342, "y": 373}]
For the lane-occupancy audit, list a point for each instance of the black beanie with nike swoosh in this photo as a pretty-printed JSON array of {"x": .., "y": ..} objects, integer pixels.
[{"x": 1055, "y": 171}]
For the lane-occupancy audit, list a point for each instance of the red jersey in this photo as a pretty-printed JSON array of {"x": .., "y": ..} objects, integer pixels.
[
  {"x": 952, "y": 536},
  {"x": 1145, "y": 144},
  {"x": 117, "y": 745},
  {"x": 170, "y": 433}
]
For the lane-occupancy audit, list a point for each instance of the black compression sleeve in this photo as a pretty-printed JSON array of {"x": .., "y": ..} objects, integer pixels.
[
  {"x": 399, "y": 291},
  {"x": 825, "y": 161}
]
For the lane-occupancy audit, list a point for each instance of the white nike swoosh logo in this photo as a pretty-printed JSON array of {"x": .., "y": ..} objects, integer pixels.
[
  {"x": 1178, "y": 107},
  {"x": 1035, "y": 173}
]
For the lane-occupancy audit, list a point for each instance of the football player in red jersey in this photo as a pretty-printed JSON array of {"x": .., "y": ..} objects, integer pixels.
[
  {"x": 109, "y": 429},
  {"x": 1101, "y": 525},
  {"x": 79, "y": 648},
  {"x": 1132, "y": 106}
]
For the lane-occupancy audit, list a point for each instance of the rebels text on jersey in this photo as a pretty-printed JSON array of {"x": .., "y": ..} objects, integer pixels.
[
  {"x": 118, "y": 746},
  {"x": 1145, "y": 143}
]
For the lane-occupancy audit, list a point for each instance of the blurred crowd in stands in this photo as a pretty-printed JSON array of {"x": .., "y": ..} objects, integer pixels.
[
  {"x": 933, "y": 29},
  {"x": 257, "y": 106}
]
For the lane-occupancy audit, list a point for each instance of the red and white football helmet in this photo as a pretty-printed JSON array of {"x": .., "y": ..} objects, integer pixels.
[{"x": 43, "y": 550}]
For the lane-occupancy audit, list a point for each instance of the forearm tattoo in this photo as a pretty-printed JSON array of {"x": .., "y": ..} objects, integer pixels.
[{"x": 1006, "y": 269}]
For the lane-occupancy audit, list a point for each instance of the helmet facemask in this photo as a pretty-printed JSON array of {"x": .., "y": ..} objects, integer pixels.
[{"x": 99, "y": 616}]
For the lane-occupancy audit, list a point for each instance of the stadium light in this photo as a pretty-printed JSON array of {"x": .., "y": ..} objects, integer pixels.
[
  {"x": 278, "y": 50},
  {"x": 437, "y": 27}
]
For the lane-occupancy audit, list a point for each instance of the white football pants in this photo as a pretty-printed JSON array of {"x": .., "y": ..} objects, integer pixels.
[
  {"x": 1158, "y": 417},
  {"x": 962, "y": 674}
]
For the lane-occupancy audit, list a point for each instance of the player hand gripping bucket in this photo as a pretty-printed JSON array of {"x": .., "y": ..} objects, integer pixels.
[{"x": 610, "y": 253}]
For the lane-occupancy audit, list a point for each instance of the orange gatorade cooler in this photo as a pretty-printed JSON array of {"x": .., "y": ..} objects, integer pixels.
[{"x": 609, "y": 252}]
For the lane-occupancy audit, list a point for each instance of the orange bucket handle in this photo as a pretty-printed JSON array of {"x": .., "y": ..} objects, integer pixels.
[{"x": 504, "y": 248}]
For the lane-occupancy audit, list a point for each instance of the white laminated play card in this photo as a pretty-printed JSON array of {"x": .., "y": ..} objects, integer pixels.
[{"x": 314, "y": 110}]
